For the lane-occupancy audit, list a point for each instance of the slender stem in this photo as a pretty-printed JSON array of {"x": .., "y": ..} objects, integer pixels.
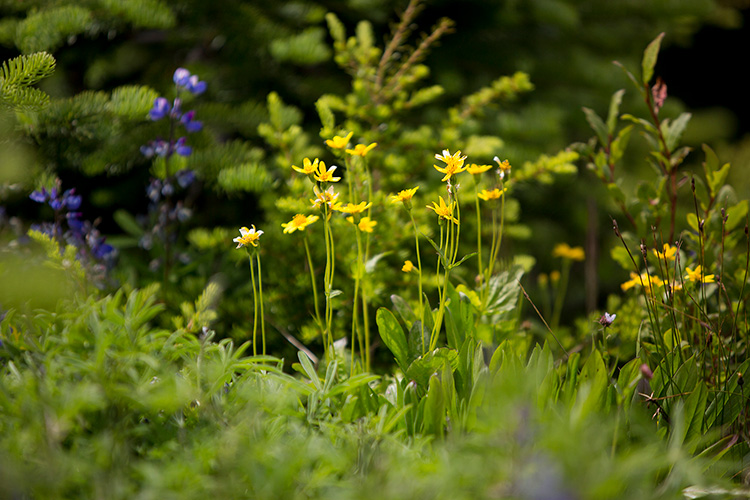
[
  {"x": 260, "y": 300},
  {"x": 419, "y": 270},
  {"x": 480, "y": 268},
  {"x": 255, "y": 306},
  {"x": 312, "y": 282}
]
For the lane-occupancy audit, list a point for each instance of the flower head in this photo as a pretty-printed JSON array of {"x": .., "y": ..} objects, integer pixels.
[
  {"x": 327, "y": 197},
  {"x": 607, "y": 319},
  {"x": 248, "y": 237},
  {"x": 160, "y": 109},
  {"x": 646, "y": 280},
  {"x": 491, "y": 195},
  {"x": 361, "y": 149},
  {"x": 408, "y": 266},
  {"x": 298, "y": 223},
  {"x": 443, "y": 210},
  {"x": 454, "y": 163},
  {"x": 668, "y": 253},
  {"x": 504, "y": 165},
  {"x": 339, "y": 142},
  {"x": 698, "y": 275},
  {"x": 475, "y": 169},
  {"x": 365, "y": 224},
  {"x": 404, "y": 196},
  {"x": 308, "y": 168},
  {"x": 323, "y": 175},
  {"x": 567, "y": 252},
  {"x": 353, "y": 209}
]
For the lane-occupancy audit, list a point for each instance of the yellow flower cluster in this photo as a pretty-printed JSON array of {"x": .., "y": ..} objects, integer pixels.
[
  {"x": 454, "y": 164},
  {"x": 567, "y": 252},
  {"x": 443, "y": 210},
  {"x": 668, "y": 254},
  {"x": 298, "y": 223},
  {"x": 491, "y": 195}
]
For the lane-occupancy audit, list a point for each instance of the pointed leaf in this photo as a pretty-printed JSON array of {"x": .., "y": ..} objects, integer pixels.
[
  {"x": 649, "y": 59},
  {"x": 393, "y": 336}
]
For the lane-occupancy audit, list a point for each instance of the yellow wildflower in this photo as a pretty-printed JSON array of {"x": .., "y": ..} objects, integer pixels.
[
  {"x": 698, "y": 276},
  {"x": 361, "y": 149},
  {"x": 351, "y": 208},
  {"x": 323, "y": 175},
  {"x": 308, "y": 167},
  {"x": 327, "y": 197},
  {"x": 404, "y": 196},
  {"x": 644, "y": 279},
  {"x": 408, "y": 266},
  {"x": 298, "y": 223},
  {"x": 566, "y": 252},
  {"x": 339, "y": 142},
  {"x": 504, "y": 165},
  {"x": 454, "y": 163},
  {"x": 475, "y": 169},
  {"x": 247, "y": 237},
  {"x": 554, "y": 276},
  {"x": 443, "y": 210},
  {"x": 365, "y": 224},
  {"x": 669, "y": 252},
  {"x": 491, "y": 195}
]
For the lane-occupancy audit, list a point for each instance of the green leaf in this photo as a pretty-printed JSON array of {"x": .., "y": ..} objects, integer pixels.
[
  {"x": 598, "y": 125},
  {"x": 614, "y": 110},
  {"x": 594, "y": 382},
  {"x": 434, "y": 408},
  {"x": 422, "y": 368},
  {"x": 309, "y": 369},
  {"x": 649, "y": 59},
  {"x": 736, "y": 215},
  {"x": 393, "y": 336},
  {"x": 675, "y": 130}
]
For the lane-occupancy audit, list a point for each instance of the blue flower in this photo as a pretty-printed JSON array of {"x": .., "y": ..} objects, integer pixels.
[
  {"x": 181, "y": 148},
  {"x": 185, "y": 177},
  {"x": 195, "y": 87},
  {"x": 39, "y": 196},
  {"x": 181, "y": 77},
  {"x": 190, "y": 124},
  {"x": 160, "y": 109}
]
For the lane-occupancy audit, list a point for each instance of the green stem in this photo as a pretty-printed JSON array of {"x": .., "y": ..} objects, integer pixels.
[
  {"x": 255, "y": 306},
  {"x": 312, "y": 282},
  {"x": 260, "y": 300},
  {"x": 419, "y": 271}
]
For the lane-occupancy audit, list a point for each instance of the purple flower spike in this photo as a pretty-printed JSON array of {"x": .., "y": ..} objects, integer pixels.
[
  {"x": 160, "y": 109},
  {"x": 185, "y": 177},
  {"x": 70, "y": 200},
  {"x": 181, "y": 77}
]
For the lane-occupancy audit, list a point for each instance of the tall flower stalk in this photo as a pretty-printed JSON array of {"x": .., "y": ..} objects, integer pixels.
[
  {"x": 405, "y": 198},
  {"x": 250, "y": 239}
]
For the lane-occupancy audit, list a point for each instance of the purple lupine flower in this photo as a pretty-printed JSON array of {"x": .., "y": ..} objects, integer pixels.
[
  {"x": 167, "y": 189},
  {"x": 56, "y": 203},
  {"x": 70, "y": 200},
  {"x": 176, "y": 112},
  {"x": 194, "y": 86},
  {"x": 185, "y": 177},
  {"x": 39, "y": 196},
  {"x": 160, "y": 109},
  {"x": 181, "y": 77},
  {"x": 190, "y": 124},
  {"x": 181, "y": 148},
  {"x": 153, "y": 191}
]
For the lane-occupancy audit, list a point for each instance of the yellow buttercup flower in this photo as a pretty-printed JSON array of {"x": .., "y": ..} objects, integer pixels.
[
  {"x": 327, "y": 197},
  {"x": 491, "y": 195},
  {"x": 669, "y": 252},
  {"x": 475, "y": 169},
  {"x": 361, "y": 149},
  {"x": 339, "y": 142},
  {"x": 248, "y": 237},
  {"x": 554, "y": 276},
  {"x": 351, "y": 208},
  {"x": 298, "y": 223},
  {"x": 308, "y": 167},
  {"x": 443, "y": 210},
  {"x": 454, "y": 163},
  {"x": 365, "y": 225},
  {"x": 323, "y": 175},
  {"x": 566, "y": 252},
  {"x": 408, "y": 266},
  {"x": 697, "y": 275}
]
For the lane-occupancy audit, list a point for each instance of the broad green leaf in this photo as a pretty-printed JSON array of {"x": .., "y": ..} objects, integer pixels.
[
  {"x": 393, "y": 336},
  {"x": 594, "y": 383},
  {"x": 434, "y": 408},
  {"x": 675, "y": 130},
  {"x": 736, "y": 215},
  {"x": 433, "y": 362}
]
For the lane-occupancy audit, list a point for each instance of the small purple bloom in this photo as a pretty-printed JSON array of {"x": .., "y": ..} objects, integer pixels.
[
  {"x": 160, "y": 109},
  {"x": 70, "y": 200},
  {"x": 194, "y": 86},
  {"x": 181, "y": 77},
  {"x": 181, "y": 148},
  {"x": 176, "y": 112},
  {"x": 185, "y": 177},
  {"x": 39, "y": 196},
  {"x": 167, "y": 189},
  {"x": 147, "y": 150},
  {"x": 607, "y": 319},
  {"x": 56, "y": 203},
  {"x": 190, "y": 124}
]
